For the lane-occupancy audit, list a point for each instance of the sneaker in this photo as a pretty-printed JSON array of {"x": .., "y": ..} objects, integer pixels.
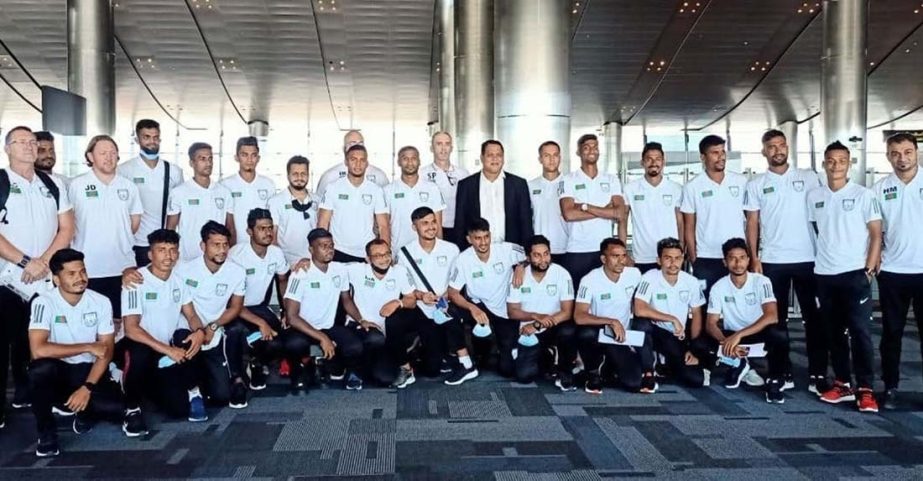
[
  {"x": 788, "y": 382},
  {"x": 283, "y": 368},
  {"x": 47, "y": 445},
  {"x": 754, "y": 379},
  {"x": 461, "y": 374},
  {"x": 295, "y": 377},
  {"x": 706, "y": 378},
  {"x": 197, "y": 412},
  {"x": 774, "y": 394},
  {"x": 565, "y": 381},
  {"x": 134, "y": 425},
  {"x": 238, "y": 396},
  {"x": 866, "y": 400},
  {"x": 889, "y": 400},
  {"x": 736, "y": 374},
  {"x": 62, "y": 411},
  {"x": 21, "y": 400},
  {"x": 838, "y": 393},
  {"x": 258, "y": 375},
  {"x": 594, "y": 383},
  {"x": 445, "y": 367},
  {"x": 336, "y": 375},
  {"x": 648, "y": 383},
  {"x": 818, "y": 385},
  {"x": 82, "y": 425},
  {"x": 2, "y": 418},
  {"x": 353, "y": 382},
  {"x": 404, "y": 378}
]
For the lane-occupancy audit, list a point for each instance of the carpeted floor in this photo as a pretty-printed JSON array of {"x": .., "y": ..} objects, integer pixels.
[{"x": 491, "y": 429}]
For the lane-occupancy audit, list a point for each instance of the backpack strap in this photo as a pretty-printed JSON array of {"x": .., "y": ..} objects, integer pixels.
[
  {"x": 4, "y": 194},
  {"x": 166, "y": 194},
  {"x": 51, "y": 186}
]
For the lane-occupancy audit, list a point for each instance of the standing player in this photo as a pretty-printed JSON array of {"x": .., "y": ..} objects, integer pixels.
[
  {"x": 445, "y": 175},
  {"x": 340, "y": 169},
  {"x": 294, "y": 211},
  {"x": 406, "y": 194},
  {"x": 249, "y": 190},
  {"x": 546, "y": 207}
]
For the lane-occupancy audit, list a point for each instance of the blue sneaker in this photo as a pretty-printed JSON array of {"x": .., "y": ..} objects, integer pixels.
[
  {"x": 197, "y": 412},
  {"x": 353, "y": 382}
]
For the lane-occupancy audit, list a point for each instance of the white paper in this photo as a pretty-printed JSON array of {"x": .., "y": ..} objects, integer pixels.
[
  {"x": 754, "y": 350},
  {"x": 11, "y": 277},
  {"x": 632, "y": 338}
]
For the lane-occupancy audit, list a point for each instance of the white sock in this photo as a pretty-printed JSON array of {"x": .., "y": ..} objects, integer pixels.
[
  {"x": 194, "y": 392},
  {"x": 466, "y": 361}
]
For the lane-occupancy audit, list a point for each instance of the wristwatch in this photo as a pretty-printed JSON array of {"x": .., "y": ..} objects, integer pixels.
[
  {"x": 24, "y": 261},
  {"x": 89, "y": 385},
  {"x": 536, "y": 324},
  {"x": 584, "y": 207},
  {"x": 213, "y": 326}
]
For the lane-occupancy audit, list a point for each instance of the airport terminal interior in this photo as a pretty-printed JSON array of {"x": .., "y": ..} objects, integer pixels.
[{"x": 299, "y": 74}]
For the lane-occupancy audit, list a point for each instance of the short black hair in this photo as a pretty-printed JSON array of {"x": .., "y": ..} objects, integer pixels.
[
  {"x": 586, "y": 138},
  {"x": 420, "y": 212},
  {"x": 257, "y": 214},
  {"x": 734, "y": 243},
  {"x": 9, "y": 134},
  {"x": 708, "y": 142},
  {"x": 296, "y": 160},
  {"x": 318, "y": 233},
  {"x": 355, "y": 147},
  {"x": 213, "y": 228},
  {"x": 610, "y": 241},
  {"x": 837, "y": 145},
  {"x": 537, "y": 240},
  {"x": 197, "y": 146},
  {"x": 63, "y": 256},
  {"x": 405, "y": 149},
  {"x": 146, "y": 124},
  {"x": 771, "y": 134},
  {"x": 163, "y": 236},
  {"x": 490, "y": 142},
  {"x": 478, "y": 225},
  {"x": 378, "y": 241},
  {"x": 894, "y": 139},
  {"x": 546, "y": 144},
  {"x": 668, "y": 243},
  {"x": 247, "y": 141},
  {"x": 43, "y": 136},
  {"x": 651, "y": 146}
]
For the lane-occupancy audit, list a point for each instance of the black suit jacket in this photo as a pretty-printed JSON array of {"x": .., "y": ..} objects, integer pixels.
[{"x": 517, "y": 206}]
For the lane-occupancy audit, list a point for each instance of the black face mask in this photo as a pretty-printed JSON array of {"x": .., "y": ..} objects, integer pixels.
[
  {"x": 303, "y": 208},
  {"x": 379, "y": 271}
]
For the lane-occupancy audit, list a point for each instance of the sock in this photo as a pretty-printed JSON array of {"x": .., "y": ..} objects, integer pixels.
[
  {"x": 194, "y": 392},
  {"x": 466, "y": 361}
]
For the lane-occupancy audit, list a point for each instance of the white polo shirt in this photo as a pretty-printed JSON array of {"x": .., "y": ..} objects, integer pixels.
[
  {"x": 718, "y": 209},
  {"x": 246, "y": 196},
  {"x": 487, "y": 282},
  {"x": 675, "y": 300},
  {"x": 585, "y": 235},
  {"x": 318, "y": 293},
  {"x": 402, "y": 200},
  {"x": 102, "y": 214},
  {"x": 653, "y": 215},
  {"x": 447, "y": 182},
  {"x": 150, "y": 186},
  {"x": 371, "y": 293},
  {"x": 740, "y": 308},
  {"x": 902, "y": 213},
  {"x": 211, "y": 291},
  {"x": 842, "y": 219},
  {"x": 353, "y": 214},
  {"x": 435, "y": 265},
  {"x": 608, "y": 299},
  {"x": 546, "y": 211},
  {"x": 492, "y": 197},
  {"x": 196, "y": 205},
  {"x": 159, "y": 303},
  {"x": 545, "y": 296},
  {"x": 293, "y": 227},
  {"x": 31, "y": 214},
  {"x": 786, "y": 236},
  {"x": 259, "y": 271},
  {"x": 67, "y": 324},
  {"x": 372, "y": 174}
]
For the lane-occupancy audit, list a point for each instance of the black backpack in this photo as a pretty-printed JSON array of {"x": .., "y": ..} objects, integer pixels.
[{"x": 5, "y": 190}]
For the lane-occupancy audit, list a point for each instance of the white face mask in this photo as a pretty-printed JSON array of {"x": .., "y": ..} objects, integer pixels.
[
  {"x": 528, "y": 340},
  {"x": 481, "y": 330}
]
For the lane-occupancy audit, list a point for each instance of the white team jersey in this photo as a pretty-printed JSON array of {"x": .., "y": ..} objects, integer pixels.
[
  {"x": 545, "y": 296},
  {"x": 211, "y": 291},
  {"x": 259, "y": 271},
  {"x": 718, "y": 209},
  {"x": 740, "y": 308},
  {"x": 675, "y": 300},
  {"x": 786, "y": 236},
  {"x": 371, "y": 293},
  {"x": 246, "y": 196},
  {"x": 353, "y": 214},
  {"x": 653, "y": 215},
  {"x": 435, "y": 265},
  {"x": 196, "y": 205},
  {"x": 293, "y": 226},
  {"x": 447, "y": 182},
  {"x": 402, "y": 200},
  {"x": 902, "y": 214},
  {"x": 372, "y": 174},
  {"x": 487, "y": 282},
  {"x": 150, "y": 186},
  {"x": 102, "y": 214},
  {"x": 546, "y": 211},
  {"x": 31, "y": 217},
  {"x": 842, "y": 219},
  {"x": 159, "y": 303},
  {"x": 612, "y": 300},
  {"x": 318, "y": 293},
  {"x": 585, "y": 235},
  {"x": 67, "y": 324}
]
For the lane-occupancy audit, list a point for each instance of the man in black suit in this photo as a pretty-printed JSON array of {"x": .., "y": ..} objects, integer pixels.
[{"x": 500, "y": 197}]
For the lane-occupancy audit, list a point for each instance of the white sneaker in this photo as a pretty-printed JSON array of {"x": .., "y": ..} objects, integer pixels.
[
  {"x": 752, "y": 378},
  {"x": 706, "y": 377}
]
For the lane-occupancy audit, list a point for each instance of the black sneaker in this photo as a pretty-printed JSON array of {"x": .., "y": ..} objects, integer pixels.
[
  {"x": 2, "y": 418},
  {"x": 461, "y": 374},
  {"x": 774, "y": 394},
  {"x": 258, "y": 375},
  {"x": 134, "y": 425},
  {"x": 565, "y": 381},
  {"x": 648, "y": 383},
  {"x": 238, "y": 396},
  {"x": 818, "y": 385},
  {"x": 62, "y": 411},
  {"x": 788, "y": 382},
  {"x": 82, "y": 425},
  {"x": 446, "y": 366},
  {"x": 21, "y": 399},
  {"x": 336, "y": 374},
  {"x": 736, "y": 374},
  {"x": 889, "y": 400},
  {"x": 594, "y": 383},
  {"x": 47, "y": 445},
  {"x": 353, "y": 382}
]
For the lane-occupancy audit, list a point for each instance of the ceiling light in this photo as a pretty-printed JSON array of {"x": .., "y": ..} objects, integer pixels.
[{"x": 228, "y": 63}]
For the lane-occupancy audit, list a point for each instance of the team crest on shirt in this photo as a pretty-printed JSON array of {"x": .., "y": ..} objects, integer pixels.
[
  {"x": 667, "y": 199},
  {"x": 390, "y": 284},
  {"x": 498, "y": 268},
  {"x": 221, "y": 289},
  {"x": 441, "y": 260},
  {"x": 849, "y": 204},
  {"x": 551, "y": 289},
  {"x": 176, "y": 295},
  {"x": 123, "y": 194},
  {"x": 750, "y": 298},
  {"x": 219, "y": 202},
  {"x": 44, "y": 190},
  {"x": 629, "y": 291},
  {"x": 798, "y": 185},
  {"x": 367, "y": 199},
  {"x": 735, "y": 190},
  {"x": 370, "y": 177},
  {"x": 424, "y": 196},
  {"x": 684, "y": 296},
  {"x": 263, "y": 193},
  {"x": 337, "y": 280},
  {"x": 604, "y": 186},
  {"x": 90, "y": 319}
]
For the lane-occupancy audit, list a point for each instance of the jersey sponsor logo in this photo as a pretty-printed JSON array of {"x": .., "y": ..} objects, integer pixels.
[
  {"x": 819, "y": 205},
  {"x": 123, "y": 194},
  {"x": 849, "y": 204},
  {"x": 390, "y": 284},
  {"x": 177, "y": 295},
  {"x": 251, "y": 271},
  {"x": 192, "y": 283},
  {"x": 193, "y": 201},
  {"x": 684, "y": 296},
  {"x": 150, "y": 296},
  {"x": 221, "y": 289},
  {"x": 398, "y": 195},
  {"x": 661, "y": 296},
  {"x": 236, "y": 195},
  {"x": 315, "y": 285},
  {"x": 536, "y": 191},
  {"x": 580, "y": 187},
  {"x": 769, "y": 190},
  {"x": 263, "y": 193},
  {"x": 525, "y": 290},
  {"x": 707, "y": 193},
  {"x": 893, "y": 195},
  {"x": 735, "y": 190},
  {"x": 441, "y": 260},
  {"x": 474, "y": 275},
  {"x": 551, "y": 289},
  {"x": 90, "y": 319},
  {"x": 60, "y": 319},
  {"x": 343, "y": 197},
  {"x": 337, "y": 280},
  {"x": 798, "y": 185},
  {"x": 219, "y": 203},
  {"x": 750, "y": 297},
  {"x": 342, "y": 174},
  {"x": 730, "y": 300},
  {"x": 91, "y": 191},
  {"x": 138, "y": 180},
  {"x": 431, "y": 176},
  {"x": 367, "y": 199},
  {"x": 605, "y": 297},
  {"x": 638, "y": 197},
  {"x": 498, "y": 267},
  {"x": 424, "y": 196},
  {"x": 604, "y": 186}
]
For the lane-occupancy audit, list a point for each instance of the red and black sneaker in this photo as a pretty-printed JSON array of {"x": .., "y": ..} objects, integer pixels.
[
  {"x": 840, "y": 392},
  {"x": 866, "y": 400}
]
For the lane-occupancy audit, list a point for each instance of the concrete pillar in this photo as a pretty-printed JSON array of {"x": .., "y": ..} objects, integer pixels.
[
  {"x": 790, "y": 129},
  {"x": 844, "y": 92},
  {"x": 91, "y": 61},
  {"x": 532, "y": 80},
  {"x": 474, "y": 73},
  {"x": 613, "y": 163},
  {"x": 447, "y": 66}
]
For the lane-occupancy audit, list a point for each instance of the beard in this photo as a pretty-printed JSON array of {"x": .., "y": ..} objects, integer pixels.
[{"x": 379, "y": 270}]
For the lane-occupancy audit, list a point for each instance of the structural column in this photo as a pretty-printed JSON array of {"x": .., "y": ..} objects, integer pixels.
[
  {"x": 612, "y": 160},
  {"x": 790, "y": 129},
  {"x": 474, "y": 71},
  {"x": 532, "y": 74},
  {"x": 91, "y": 61},
  {"x": 843, "y": 79},
  {"x": 447, "y": 66}
]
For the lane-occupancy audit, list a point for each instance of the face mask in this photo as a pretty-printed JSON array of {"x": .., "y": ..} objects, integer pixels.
[
  {"x": 481, "y": 330},
  {"x": 528, "y": 341},
  {"x": 440, "y": 317},
  {"x": 149, "y": 155}
]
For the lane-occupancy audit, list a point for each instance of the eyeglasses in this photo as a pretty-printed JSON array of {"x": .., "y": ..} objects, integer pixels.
[{"x": 381, "y": 256}]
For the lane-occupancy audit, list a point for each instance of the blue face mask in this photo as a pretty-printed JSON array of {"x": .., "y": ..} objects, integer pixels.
[
  {"x": 528, "y": 341},
  {"x": 481, "y": 330},
  {"x": 148, "y": 156},
  {"x": 440, "y": 317}
]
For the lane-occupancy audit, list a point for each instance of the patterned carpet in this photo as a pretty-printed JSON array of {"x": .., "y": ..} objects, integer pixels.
[{"x": 491, "y": 429}]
